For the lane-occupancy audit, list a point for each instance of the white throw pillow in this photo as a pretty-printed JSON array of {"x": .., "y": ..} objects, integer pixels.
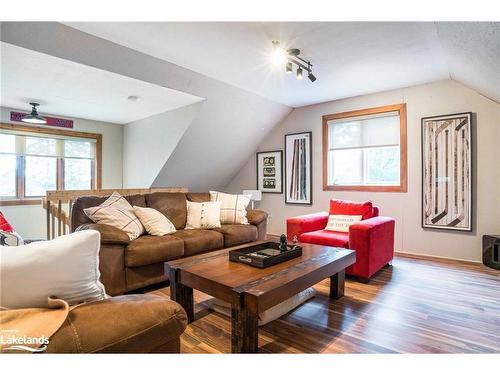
[
  {"x": 118, "y": 213},
  {"x": 341, "y": 223},
  {"x": 154, "y": 221},
  {"x": 66, "y": 267},
  {"x": 233, "y": 207},
  {"x": 203, "y": 215}
]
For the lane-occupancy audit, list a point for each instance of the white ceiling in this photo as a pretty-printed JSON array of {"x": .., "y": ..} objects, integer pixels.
[
  {"x": 349, "y": 58},
  {"x": 70, "y": 89}
]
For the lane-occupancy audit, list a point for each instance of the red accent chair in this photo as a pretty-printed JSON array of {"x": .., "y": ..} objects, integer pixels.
[{"x": 372, "y": 238}]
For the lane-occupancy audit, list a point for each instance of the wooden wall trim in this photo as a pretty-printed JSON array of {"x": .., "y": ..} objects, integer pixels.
[{"x": 403, "y": 186}]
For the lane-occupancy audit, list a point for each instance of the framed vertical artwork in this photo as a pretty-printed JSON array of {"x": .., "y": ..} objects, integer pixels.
[
  {"x": 270, "y": 171},
  {"x": 447, "y": 172},
  {"x": 298, "y": 172}
]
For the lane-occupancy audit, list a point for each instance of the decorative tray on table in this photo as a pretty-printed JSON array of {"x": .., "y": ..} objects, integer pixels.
[{"x": 266, "y": 254}]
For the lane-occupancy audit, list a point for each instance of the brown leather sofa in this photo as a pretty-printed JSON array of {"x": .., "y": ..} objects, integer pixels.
[
  {"x": 129, "y": 265},
  {"x": 123, "y": 324}
]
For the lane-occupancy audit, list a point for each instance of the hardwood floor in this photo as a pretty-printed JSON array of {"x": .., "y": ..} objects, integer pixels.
[{"x": 415, "y": 306}]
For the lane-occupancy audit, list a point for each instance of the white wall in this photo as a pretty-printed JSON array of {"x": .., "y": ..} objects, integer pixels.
[
  {"x": 424, "y": 100},
  {"x": 29, "y": 221},
  {"x": 150, "y": 141}
]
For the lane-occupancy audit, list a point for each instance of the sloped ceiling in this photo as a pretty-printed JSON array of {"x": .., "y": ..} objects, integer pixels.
[
  {"x": 229, "y": 126},
  {"x": 350, "y": 58},
  {"x": 472, "y": 51},
  {"x": 76, "y": 90}
]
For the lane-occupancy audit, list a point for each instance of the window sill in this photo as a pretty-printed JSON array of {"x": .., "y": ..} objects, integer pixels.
[
  {"x": 378, "y": 188},
  {"x": 20, "y": 202}
]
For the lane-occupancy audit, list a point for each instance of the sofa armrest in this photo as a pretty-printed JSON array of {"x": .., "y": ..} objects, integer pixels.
[
  {"x": 295, "y": 226},
  {"x": 125, "y": 324},
  {"x": 109, "y": 234},
  {"x": 255, "y": 217},
  {"x": 373, "y": 240}
]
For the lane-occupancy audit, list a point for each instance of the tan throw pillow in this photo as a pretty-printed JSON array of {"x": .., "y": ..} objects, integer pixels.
[
  {"x": 118, "y": 213},
  {"x": 341, "y": 223},
  {"x": 233, "y": 207},
  {"x": 203, "y": 215},
  {"x": 154, "y": 221}
]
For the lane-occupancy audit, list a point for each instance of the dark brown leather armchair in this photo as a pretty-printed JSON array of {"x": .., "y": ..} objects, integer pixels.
[{"x": 124, "y": 324}]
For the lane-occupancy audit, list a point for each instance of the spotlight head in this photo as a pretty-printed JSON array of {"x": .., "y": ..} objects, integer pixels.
[
  {"x": 289, "y": 68},
  {"x": 279, "y": 54},
  {"x": 299, "y": 73},
  {"x": 311, "y": 77}
]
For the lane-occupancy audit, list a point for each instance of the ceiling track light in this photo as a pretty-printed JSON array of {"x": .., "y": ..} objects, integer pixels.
[
  {"x": 291, "y": 57},
  {"x": 300, "y": 75},
  {"x": 34, "y": 117}
]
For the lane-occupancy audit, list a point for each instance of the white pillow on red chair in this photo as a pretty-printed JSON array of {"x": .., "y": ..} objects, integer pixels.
[{"x": 341, "y": 223}]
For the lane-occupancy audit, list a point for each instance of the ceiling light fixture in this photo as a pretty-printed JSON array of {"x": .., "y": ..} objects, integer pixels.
[
  {"x": 34, "y": 117},
  {"x": 290, "y": 57},
  {"x": 279, "y": 55},
  {"x": 299, "y": 73}
]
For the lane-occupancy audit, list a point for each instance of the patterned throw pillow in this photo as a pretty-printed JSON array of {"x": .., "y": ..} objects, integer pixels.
[
  {"x": 233, "y": 207},
  {"x": 118, "y": 213},
  {"x": 341, "y": 223},
  {"x": 10, "y": 239},
  {"x": 203, "y": 215}
]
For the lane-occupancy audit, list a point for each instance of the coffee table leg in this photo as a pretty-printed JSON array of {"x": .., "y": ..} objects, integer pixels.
[
  {"x": 244, "y": 327},
  {"x": 337, "y": 283},
  {"x": 181, "y": 294}
]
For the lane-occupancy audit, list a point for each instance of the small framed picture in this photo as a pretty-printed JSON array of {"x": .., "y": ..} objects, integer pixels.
[
  {"x": 298, "y": 172},
  {"x": 270, "y": 171}
]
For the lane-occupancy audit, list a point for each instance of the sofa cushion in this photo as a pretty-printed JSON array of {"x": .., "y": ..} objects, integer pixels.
[
  {"x": 198, "y": 197},
  {"x": 172, "y": 205},
  {"x": 125, "y": 324},
  {"x": 153, "y": 249},
  {"x": 345, "y": 207},
  {"x": 326, "y": 238},
  {"x": 235, "y": 234},
  {"x": 136, "y": 200},
  {"x": 199, "y": 240}
]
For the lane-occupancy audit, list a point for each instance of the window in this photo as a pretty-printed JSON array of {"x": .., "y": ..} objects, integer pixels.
[
  {"x": 34, "y": 161},
  {"x": 365, "y": 150}
]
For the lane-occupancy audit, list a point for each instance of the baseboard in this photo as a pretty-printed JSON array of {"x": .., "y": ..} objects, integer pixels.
[
  {"x": 434, "y": 257},
  {"x": 415, "y": 255}
]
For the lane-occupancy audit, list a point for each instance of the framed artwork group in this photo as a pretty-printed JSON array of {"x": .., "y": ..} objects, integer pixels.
[{"x": 296, "y": 166}]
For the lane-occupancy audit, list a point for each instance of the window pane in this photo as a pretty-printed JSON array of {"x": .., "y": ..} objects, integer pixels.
[
  {"x": 40, "y": 146},
  {"x": 40, "y": 175},
  {"x": 345, "y": 167},
  {"x": 77, "y": 174},
  {"x": 78, "y": 149},
  {"x": 382, "y": 166},
  {"x": 7, "y": 143},
  {"x": 7, "y": 176}
]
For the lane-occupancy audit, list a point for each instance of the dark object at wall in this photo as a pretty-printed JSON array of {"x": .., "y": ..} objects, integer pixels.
[{"x": 491, "y": 250}]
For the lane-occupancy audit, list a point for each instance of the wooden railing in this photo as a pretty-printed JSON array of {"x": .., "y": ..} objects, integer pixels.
[{"x": 58, "y": 205}]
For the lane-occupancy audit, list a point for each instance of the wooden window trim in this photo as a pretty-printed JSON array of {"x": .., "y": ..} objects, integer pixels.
[
  {"x": 402, "y": 187},
  {"x": 20, "y": 183}
]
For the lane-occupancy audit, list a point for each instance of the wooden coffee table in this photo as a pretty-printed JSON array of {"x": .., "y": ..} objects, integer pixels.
[{"x": 252, "y": 290}]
